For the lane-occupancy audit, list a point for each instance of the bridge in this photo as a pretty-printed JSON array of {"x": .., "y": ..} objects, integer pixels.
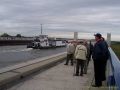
[{"x": 50, "y": 73}]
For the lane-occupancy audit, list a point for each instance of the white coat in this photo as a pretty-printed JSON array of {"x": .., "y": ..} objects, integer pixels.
[{"x": 81, "y": 52}]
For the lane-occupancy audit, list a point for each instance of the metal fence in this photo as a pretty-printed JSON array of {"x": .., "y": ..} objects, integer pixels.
[{"x": 113, "y": 71}]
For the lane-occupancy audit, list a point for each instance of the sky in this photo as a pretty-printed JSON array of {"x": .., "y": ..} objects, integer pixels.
[{"x": 60, "y": 18}]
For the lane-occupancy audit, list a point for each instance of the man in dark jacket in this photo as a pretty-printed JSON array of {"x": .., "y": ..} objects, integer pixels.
[
  {"x": 99, "y": 56},
  {"x": 105, "y": 61},
  {"x": 90, "y": 52}
]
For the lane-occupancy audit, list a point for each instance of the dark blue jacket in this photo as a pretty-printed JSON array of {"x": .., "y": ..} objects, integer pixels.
[{"x": 100, "y": 50}]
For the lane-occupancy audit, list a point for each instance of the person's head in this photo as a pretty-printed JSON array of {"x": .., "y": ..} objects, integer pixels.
[
  {"x": 72, "y": 42},
  {"x": 85, "y": 42},
  {"x": 80, "y": 42},
  {"x": 69, "y": 42},
  {"x": 75, "y": 43},
  {"x": 98, "y": 36}
]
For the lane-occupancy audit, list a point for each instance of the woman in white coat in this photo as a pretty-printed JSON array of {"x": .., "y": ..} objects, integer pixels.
[{"x": 80, "y": 56}]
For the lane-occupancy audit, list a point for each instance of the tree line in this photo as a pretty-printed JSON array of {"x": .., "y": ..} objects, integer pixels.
[{"x": 7, "y": 35}]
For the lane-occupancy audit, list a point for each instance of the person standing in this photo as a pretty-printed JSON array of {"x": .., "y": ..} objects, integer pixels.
[
  {"x": 80, "y": 56},
  {"x": 89, "y": 47},
  {"x": 105, "y": 61},
  {"x": 90, "y": 52},
  {"x": 99, "y": 56},
  {"x": 85, "y": 63},
  {"x": 70, "y": 52}
]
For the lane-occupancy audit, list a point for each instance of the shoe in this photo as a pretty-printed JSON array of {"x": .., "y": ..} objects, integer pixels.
[
  {"x": 71, "y": 64},
  {"x": 103, "y": 79},
  {"x": 81, "y": 74},
  {"x": 96, "y": 85},
  {"x": 76, "y": 74},
  {"x": 65, "y": 64}
]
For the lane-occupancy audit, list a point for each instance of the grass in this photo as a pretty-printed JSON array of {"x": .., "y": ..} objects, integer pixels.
[{"x": 116, "y": 47}]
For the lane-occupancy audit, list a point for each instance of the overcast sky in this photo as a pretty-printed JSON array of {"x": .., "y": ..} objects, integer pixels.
[{"x": 60, "y": 17}]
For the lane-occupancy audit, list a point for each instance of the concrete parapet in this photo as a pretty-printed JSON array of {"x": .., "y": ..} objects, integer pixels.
[{"x": 13, "y": 73}]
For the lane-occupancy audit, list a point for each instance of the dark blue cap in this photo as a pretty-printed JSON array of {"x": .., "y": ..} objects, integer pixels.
[{"x": 98, "y": 35}]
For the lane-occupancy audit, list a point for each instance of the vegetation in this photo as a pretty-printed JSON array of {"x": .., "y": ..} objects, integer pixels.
[
  {"x": 116, "y": 47},
  {"x": 18, "y": 35},
  {"x": 5, "y": 35}
]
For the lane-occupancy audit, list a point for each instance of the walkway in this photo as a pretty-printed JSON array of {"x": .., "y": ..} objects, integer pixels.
[{"x": 59, "y": 77}]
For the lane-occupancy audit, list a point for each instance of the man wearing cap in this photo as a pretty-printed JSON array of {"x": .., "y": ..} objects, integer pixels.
[
  {"x": 99, "y": 56},
  {"x": 105, "y": 61}
]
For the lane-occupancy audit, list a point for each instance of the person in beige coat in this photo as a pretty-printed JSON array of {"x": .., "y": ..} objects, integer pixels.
[{"x": 80, "y": 56}]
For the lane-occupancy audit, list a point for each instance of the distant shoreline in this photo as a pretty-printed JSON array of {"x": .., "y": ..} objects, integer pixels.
[{"x": 14, "y": 42}]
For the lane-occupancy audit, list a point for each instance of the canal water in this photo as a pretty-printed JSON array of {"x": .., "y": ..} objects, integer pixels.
[{"x": 11, "y": 55}]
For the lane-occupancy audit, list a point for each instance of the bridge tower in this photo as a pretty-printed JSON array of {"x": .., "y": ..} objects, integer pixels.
[{"x": 109, "y": 39}]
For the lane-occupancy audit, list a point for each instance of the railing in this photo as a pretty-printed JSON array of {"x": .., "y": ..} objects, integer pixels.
[{"x": 114, "y": 71}]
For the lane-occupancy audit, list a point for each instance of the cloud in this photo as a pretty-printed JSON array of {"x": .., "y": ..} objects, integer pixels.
[{"x": 90, "y": 16}]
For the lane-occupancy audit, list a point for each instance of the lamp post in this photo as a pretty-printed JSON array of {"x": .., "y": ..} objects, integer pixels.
[{"x": 41, "y": 29}]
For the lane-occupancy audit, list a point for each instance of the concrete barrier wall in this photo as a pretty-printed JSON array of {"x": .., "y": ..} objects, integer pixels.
[{"x": 13, "y": 73}]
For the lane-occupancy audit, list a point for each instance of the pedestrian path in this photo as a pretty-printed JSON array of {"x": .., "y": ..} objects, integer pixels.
[{"x": 59, "y": 77}]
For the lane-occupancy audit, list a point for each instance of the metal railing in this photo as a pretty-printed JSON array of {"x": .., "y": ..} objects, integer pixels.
[{"x": 113, "y": 71}]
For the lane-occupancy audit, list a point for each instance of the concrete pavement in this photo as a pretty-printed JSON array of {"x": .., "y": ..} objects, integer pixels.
[{"x": 59, "y": 77}]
